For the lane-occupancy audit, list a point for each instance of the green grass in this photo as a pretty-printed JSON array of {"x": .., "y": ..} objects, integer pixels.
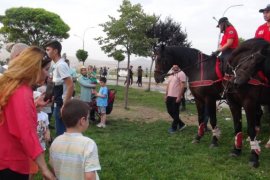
[{"x": 139, "y": 150}]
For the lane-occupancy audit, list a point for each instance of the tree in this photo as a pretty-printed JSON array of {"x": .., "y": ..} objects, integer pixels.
[
  {"x": 128, "y": 34},
  {"x": 169, "y": 33},
  {"x": 241, "y": 40},
  {"x": 33, "y": 26},
  {"x": 82, "y": 55},
  {"x": 118, "y": 56}
]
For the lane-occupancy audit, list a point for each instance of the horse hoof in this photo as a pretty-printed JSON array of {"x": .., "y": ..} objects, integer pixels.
[
  {"x": 213, "y": 145},
  {"x": 214, "y": 142},
  {"x": 254, "y": 160},
  {"x": 195, "y": 141},
  {"x": 254, "y": 164},
  {"x": 235, "y": 153}
]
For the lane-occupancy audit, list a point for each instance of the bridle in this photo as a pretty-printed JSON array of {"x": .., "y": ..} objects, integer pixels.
[{"x": 243, "y": 60}]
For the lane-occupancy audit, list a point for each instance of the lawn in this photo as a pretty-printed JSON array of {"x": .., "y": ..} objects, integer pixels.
[{"x": 140, "y": 149}]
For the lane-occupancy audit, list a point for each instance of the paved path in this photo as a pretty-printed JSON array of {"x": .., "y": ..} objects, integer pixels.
[{"x": 154, "y": 86}]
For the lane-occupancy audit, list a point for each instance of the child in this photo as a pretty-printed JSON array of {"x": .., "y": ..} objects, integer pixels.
[
  {"x": 48, "y": 108},
  {"x": 102, "y": 101},
  {"x": 72, "y": 155},
  {"x": 43, "y": 133}
]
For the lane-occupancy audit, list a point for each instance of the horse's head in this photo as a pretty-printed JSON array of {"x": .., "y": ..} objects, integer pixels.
[
  {"x": 247, "y": 59},
  {"x": 163, "y": 63}
]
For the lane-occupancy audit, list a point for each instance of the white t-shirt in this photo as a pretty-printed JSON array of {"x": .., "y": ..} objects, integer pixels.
[{"x": 60, "y": 72}]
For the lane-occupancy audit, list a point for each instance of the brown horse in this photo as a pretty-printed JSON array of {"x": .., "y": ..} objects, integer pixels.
[
  {"x": 204, "y": 83},
  {"x": 249, "y": 89}
]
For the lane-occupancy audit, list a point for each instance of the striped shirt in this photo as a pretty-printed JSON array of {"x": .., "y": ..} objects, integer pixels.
[{"x": 72, "y": 154}]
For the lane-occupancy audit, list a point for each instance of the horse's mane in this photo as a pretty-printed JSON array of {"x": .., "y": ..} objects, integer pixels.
[
  {"x": 185, "y": 52},
  {"x": 248, "y": 47},
  {"x": 248, "y": 57}
]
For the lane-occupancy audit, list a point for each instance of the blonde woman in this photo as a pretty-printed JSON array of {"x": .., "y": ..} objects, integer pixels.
[{"x": 18, "y": 117}]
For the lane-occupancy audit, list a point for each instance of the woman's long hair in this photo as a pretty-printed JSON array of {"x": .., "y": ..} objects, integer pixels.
[{"x": 24, "y": 69}]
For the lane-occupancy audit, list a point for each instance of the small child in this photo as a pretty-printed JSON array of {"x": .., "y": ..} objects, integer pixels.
[
  {"x": 47, "y": 108},
  {"x": 43, "y": 134},
  {"x": 72, "y": 155},
  {"x": 102, "y": 101}
]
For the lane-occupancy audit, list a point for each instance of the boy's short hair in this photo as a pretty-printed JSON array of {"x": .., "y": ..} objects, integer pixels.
[
  {"x": 103, "y": 79},
  {"x": 73, "y": 111},
  {"x": 55, "y": 45}
]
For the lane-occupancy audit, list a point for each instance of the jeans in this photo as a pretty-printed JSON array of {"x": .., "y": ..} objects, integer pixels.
[
  {"x": 173, "y": 110},
  {"x": 59, "y": 125},
  {"x": 224, "y": 58}
]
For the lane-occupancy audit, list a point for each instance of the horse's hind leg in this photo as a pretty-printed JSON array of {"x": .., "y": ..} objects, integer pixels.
[
  {"x": 254, "y": 144},
  {"x": 259, "y": 114},
  {"x": 213, "y": 121},
  {"x": 237, "y": 120}
]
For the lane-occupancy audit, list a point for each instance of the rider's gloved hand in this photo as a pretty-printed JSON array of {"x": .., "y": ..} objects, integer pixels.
[{"x": 215, "y": 53}]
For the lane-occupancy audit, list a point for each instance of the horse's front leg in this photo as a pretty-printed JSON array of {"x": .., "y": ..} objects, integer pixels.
[
  {"x": 211, "y": 105},
  {"x": 201, "y": 117},
  {"x": 250, "y": 109},
  {"x": 237, "y": 120}
]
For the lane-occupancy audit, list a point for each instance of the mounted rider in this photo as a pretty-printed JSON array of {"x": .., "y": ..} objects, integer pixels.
[
  {"x": 263, "y": 31},
  {"x": 228, "y": 42}
]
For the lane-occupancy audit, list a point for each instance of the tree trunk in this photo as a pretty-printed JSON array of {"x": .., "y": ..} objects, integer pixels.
[
  {"x": 117, "y": 71},
  {"x": 127, "y": 84},
  {"x": 150, "y": 75}
]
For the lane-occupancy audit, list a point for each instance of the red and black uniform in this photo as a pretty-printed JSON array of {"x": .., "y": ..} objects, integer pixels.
[
  {"x": 263, "y": 32},
  {"x": 229, "y": 33}
]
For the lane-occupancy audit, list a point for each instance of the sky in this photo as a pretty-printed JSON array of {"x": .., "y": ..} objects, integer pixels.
[{"x": 195, "y": 16}]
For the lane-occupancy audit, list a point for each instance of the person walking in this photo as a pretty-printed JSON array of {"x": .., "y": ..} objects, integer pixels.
[
  {"x": 130, "y": 76},
  {"x": 173, "y": 96},
  {"x": 63, "y": 84},
  {"x": 139, "y": 74}
]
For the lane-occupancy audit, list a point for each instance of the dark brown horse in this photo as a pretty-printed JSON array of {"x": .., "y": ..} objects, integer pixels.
[
  {"x": 204, "y": 83},
  {"x": 249, "y": 89}
]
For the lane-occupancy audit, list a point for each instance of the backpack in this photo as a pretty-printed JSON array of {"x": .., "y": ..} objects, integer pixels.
[{"x": 111, "y": 97}]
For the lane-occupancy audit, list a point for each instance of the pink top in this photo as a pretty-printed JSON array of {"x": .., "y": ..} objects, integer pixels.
[
  {"x": 18, "y": 134},
  {"x": 174, "y": 83}
]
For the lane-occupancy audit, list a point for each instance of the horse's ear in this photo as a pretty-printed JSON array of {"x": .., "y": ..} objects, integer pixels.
[{"x": 162, "y": 47}]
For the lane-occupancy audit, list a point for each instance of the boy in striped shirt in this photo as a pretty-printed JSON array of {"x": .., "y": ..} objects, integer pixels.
[{"x": 72, "y": 155}]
